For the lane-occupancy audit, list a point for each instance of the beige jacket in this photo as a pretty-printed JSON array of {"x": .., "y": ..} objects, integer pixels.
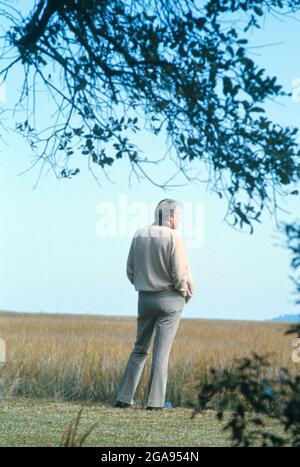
[{"x": 157, "y": 261}]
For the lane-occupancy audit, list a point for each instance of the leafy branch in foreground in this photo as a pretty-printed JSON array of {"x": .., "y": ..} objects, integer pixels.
[
  {"x": 183, "y": 68},
  {"x": 252, "y": 400}
]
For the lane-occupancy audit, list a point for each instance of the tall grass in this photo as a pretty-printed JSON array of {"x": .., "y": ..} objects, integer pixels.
[
  {"x": 83, "y": 357},
  {"x": 71, "y": 438}
]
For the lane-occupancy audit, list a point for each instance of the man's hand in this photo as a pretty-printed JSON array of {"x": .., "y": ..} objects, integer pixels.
[{"x": 188, "y": 295}]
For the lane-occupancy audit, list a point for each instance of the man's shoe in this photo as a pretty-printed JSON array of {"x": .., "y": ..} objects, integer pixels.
[
  {"x": 122, "y": 405},
  {"x": 167, "y": 405}
]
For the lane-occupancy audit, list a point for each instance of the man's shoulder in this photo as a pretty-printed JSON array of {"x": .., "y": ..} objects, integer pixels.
[
  {"x": 154, "y": 230},
  {"x": 176, "y": 235}
]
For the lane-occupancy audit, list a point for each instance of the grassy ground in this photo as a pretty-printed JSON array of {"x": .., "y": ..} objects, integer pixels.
[{"x": 33, "y": 422}]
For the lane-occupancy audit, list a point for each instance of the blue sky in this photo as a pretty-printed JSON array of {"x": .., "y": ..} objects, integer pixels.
[{"x": 54, "y": 260}]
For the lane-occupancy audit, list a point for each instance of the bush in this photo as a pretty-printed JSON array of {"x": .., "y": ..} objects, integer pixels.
[{"x": 254, "y": 401}]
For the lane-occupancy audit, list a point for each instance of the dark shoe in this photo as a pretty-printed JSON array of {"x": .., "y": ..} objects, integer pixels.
[
  {"x": 154, "y": 408},
  {"x": 122, "y": 405}
]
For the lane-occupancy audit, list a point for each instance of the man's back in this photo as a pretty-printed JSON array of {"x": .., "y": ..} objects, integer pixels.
[
  {"x": 157, "y": 261},
  {"x": 156, "y": 264}
]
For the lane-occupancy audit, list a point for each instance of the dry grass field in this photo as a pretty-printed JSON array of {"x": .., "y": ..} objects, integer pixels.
[{"x": 81, "y": 358}]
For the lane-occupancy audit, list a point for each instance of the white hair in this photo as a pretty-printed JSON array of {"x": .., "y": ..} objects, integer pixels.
[{"x": 165, "y": 209}]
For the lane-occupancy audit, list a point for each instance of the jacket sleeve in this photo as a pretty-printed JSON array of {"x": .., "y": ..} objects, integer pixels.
[
  {"x": 179, "y": 267},
  {"x": 130, "y": 263},
  {"x": 190, "y": 281}
]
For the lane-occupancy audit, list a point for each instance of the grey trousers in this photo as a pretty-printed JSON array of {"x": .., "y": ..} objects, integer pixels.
[{"x": 158, "y": 320}]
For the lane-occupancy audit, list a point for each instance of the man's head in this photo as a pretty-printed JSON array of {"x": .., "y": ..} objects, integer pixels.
[{"x": 167, "y": 213}]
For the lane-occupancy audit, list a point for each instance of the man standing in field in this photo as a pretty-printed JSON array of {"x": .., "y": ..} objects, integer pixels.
[{"x": 158, "y": 268}]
